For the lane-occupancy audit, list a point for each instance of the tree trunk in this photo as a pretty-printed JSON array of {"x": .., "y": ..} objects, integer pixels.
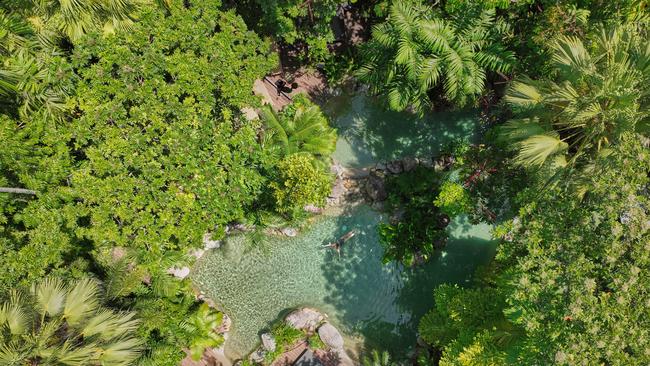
[{"x": 17, "y": 190}]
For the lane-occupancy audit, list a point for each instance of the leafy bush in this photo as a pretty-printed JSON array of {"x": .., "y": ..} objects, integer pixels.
[
  {"x": 299, "y": 182},
  {"x": 453, "y": 199},
  {"x": 417, "y": 230}
]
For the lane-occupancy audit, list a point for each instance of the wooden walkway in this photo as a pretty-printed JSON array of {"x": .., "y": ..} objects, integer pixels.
[{"x": 289, "y": 358}]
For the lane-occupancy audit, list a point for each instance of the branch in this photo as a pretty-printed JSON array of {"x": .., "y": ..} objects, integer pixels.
[{"x": 17, "y": 190}]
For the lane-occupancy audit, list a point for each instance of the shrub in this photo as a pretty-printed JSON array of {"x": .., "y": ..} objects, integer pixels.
[
  {"x": 299, "y": 183},
  {"x": 453, "y": 199}
]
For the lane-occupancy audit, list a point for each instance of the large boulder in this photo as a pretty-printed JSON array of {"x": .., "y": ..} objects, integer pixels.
[
  {"x": 376, "y": 188},
  {"x": 395, "y": 166},
  {"x": 409, "y": 164},
  {"x": 304, "y": 318},
  {"x": 330, "y": 336},
  {"x": 426, "y": 162},
  {"x": 268, "y": 342}
]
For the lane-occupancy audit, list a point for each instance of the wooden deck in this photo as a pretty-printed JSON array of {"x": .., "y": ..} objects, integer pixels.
[{"x": 289, "y": 358}]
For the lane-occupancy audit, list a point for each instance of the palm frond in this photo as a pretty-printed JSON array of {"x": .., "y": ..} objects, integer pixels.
[
  {"x": 535, "y": 150},
  {"x": 50, "y": 296},
  {"x": 81, "y": 301},
  {"x": 571, "y": 55},
  {"x": 15, "y": 314},
  {"x": 524, "y": 92},
  {"x": 121, "y": 352}
]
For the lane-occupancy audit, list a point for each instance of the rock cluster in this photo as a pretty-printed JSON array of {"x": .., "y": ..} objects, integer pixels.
[{"x": 375, "y": 188}]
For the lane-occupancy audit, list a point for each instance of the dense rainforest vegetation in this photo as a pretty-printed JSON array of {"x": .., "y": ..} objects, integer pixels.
[{"x": 124, "y": 143}]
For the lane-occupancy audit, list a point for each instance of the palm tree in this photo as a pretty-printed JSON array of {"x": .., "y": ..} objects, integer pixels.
[
  {"x": 377, "y": 359},
  {"x": 59, "y": 324},
  {"x": 305, "y": 131},
  {"x": 33, "y": 72},
  {"x": 414, "y": 51},
  {"x": 601, "y": 93},
  {"x": 74, "y": 19},
  {"x": 202, "y": 329}
]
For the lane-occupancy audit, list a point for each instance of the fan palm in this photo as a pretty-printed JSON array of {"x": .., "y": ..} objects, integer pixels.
[
  {"x": 415, "y": 51},
  {"x": 601, "y": 92},
  {"x": 306, "y": 131},
  {"x": 59, "y": 324}
]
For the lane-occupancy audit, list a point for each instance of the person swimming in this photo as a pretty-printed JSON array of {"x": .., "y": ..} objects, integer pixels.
[{"x": 336, "y": 245}]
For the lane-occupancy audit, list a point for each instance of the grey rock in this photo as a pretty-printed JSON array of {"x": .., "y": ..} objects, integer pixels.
[
  {"x": 380, "y": 166},
  {"x": 376, "y": 188},
  {"x": 426, "y": 162},
  {"x": 196, "y": 253},
  {"x": 304, "y": 318},
  {"x": 208, "y": 243},
  {"x": 330, "y": 336},
  {"x": 395, "y": 167},
  {"x": 338, "y": 189},
  {"x": 313, "y": 209},
  {"x": 179, "y": 272},
  {"x": 409, "y": 164},
  {"x": 289, "y": 231},
  {"x": 438, "y": 165},
  {"x": 268, "y": 342},
  {"x": 258, "y": 356}
]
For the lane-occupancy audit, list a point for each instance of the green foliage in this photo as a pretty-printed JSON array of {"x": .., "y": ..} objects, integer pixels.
[
  {"x": 567, "y": 281},
  {"x": 417, "y": 50},
  {"x": 377, "y": 359},
  {"x": 315, "y": 342},
  {"x": 453, "y": 199},
  {"x": 35, "y": 77},
  {"x": 58, "y": 323},
  {"x": 300, "y": 128},
  {"x": 577, "y": 286},
  {"x": 598, "y": 95},
  {"x": 412, "y": 238},
  {"x": 202, "y": 328},
  {"x": 300, "y": 181},
  {"x": 285, "y": 337},
  {"x": 74, "y": 19},
  {"x": 294, "y": 22},
  {"x": 469, "y": 324},
  {"x": 166, "y": 155}
]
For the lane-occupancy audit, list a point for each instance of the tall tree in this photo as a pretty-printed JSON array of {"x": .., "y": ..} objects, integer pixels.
[{"x": 416, "y": 50}]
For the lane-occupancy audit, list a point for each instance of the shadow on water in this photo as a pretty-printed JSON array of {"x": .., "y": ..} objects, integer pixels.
[
  {"x": 368, "y": 133},
  {"x": 383, "y": 304}
]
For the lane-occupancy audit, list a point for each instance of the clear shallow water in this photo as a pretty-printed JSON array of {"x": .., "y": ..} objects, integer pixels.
[
  {"x": 380, "y": 304},
  {"x": 374, "y": 305},
  {"x": 368, "y": 133}
]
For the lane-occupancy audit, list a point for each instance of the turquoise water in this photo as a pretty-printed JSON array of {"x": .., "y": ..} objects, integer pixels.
[
  {"x": 368, "y": 134},
  {"x": 379, "y": 304},
  {"x": 374, "y": 305}
]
